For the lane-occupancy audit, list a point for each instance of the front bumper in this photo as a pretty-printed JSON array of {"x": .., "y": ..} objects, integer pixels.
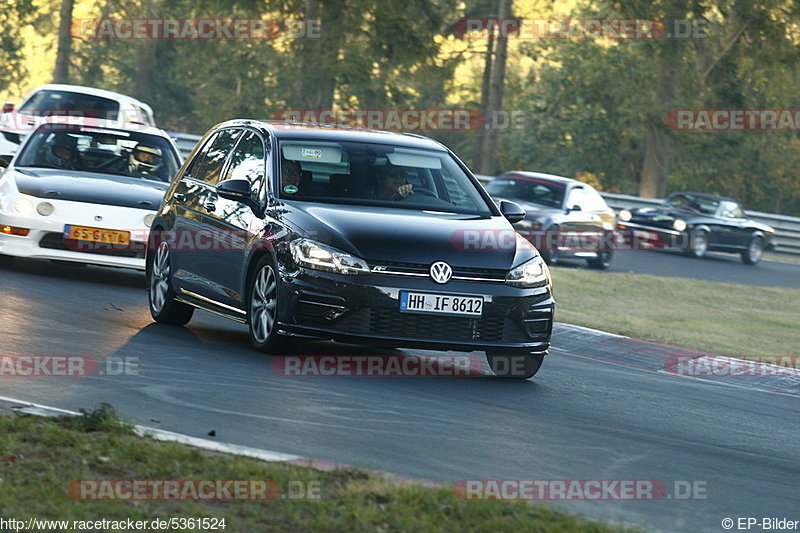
[
  {"x": 45, "y": 237},
  {"x": 637, "y": 236},
  {"x": 365, "y": 310}
]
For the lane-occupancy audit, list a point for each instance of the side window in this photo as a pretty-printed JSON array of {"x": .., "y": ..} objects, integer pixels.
[
  {"x": 578, "y": 196},
  {"x": 208, "y": 165},
  {"x": 248, "y": 162},
  {"x": 197, "y": 162},
  {"x": 594, "y": 202},
  {"x": 732, "y": 210}
]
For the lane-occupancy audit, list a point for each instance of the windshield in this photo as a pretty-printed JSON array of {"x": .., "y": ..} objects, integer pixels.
[
  {"x": 56, "y": 103},
  {"x": 99, "y": 150},
  {"x": 376, "y": 174},
  {"x": 533, "y": 190},
  {"x": 690, "y": 202}
]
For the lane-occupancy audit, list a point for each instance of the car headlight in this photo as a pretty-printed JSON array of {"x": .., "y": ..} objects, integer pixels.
[
  {"x": 679, "y": 224},
  {"x": 45, "y": 209},
  {"x": 318, "y": 256},
  {"x": 148, "y": 220},
  {"x": 625, "y": 215},
  {"x": 23, "y": 206},
  {"x": 533, "y": 273}
]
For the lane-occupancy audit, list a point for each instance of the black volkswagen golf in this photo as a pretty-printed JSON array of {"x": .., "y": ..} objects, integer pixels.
[{"x": 355, "y": 236}]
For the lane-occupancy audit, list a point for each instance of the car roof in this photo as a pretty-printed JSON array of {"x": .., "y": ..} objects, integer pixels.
[
  {"x": 78, "y": 122},
  {"x": 297, "y": 130},
  {"x": 539, "y": 175},
  {"x": 706, "y": 196},
  {"x": 92, "y": 91}
]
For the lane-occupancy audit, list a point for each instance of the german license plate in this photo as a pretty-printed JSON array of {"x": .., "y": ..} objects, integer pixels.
[
  {"x": 106, "y": 236},
  {"x": 445, "y": 304}
]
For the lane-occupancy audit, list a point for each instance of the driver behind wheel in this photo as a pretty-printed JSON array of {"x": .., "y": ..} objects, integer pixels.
[
  {"x": 145, "y": 159},
  {"x": 392, "y": 184}
]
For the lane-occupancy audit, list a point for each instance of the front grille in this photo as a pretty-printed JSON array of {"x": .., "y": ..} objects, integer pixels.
[
  {"x": 488, "y": 329},
  {"x": 424, "y": 269},
  {"x": 648, "y": 221},
  {"x": 55, "y": 241}
]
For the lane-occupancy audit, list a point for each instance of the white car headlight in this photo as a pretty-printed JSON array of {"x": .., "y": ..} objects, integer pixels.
[
  {"x": 23, "y": 206},
  {"x": 533, "y": 273},
  {"x": 45, "y": 209},
  {"x": 625, "y": 215},
  {"x": 318, "y": 256},
  {"x": 148, "y": 220},
  {"x": 679, "y": 224}
]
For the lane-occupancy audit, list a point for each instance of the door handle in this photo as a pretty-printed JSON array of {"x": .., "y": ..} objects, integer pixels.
[
  {"x": 180, "y": 198},
  {"x": 210, "y": 207}
]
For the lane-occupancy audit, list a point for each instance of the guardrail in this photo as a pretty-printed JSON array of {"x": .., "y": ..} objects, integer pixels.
[
  {"x": 787, "y": 229},
  {"x": 185, "y": 141}
]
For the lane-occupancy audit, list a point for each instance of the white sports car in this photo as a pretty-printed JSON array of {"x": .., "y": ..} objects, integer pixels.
[{"x": 85, "y": 192}]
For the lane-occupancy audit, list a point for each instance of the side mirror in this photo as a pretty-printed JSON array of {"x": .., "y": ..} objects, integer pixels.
[
  {"x": 575, "y": 207},
  {"x": 513, "y": 212},
  {"x": 8, "y": 107},
  {"x": 5, "y": 160},
  {"x": 238, "y": 190}
]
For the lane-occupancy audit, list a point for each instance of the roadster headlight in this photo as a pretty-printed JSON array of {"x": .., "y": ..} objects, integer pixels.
[
  {"x": 625, "y": 215},
  {"x": 312, "y": 254},
  {"x": 533, "y": 273},
  {"x": 23, "y": 206},
  {"x": 679, "y": 224},
  {"x": 148, "y": 220}
]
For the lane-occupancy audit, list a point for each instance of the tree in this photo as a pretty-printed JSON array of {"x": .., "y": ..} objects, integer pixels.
[
  {"x": 61, "y": 72},
  {"x": 494, "y": 100},
  {"x": 14, "y": 14}
]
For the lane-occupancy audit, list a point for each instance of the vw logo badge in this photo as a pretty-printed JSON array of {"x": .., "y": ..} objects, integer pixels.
[{"x": 441, "y": 272}]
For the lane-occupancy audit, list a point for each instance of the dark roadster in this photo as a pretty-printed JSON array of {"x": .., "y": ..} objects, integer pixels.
[{"x": 698, "y": 223}]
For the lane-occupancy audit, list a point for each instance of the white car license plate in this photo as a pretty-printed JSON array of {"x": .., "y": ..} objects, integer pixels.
[{"x": 445, "y": 304}]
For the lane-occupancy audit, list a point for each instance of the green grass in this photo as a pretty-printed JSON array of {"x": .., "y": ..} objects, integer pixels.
[
  {"x": 719, "y": 318},
  {"x": 40, "y": 456}
]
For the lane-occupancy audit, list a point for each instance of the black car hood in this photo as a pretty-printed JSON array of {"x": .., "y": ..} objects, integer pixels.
[
  {"x": 410, "y": 236},
  {"x": 104, "y": 189},
  {"x": 661, "y": 212}
]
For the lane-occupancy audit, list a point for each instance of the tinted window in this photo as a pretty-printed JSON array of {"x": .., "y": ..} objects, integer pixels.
[
  {"x": 100, "y": 150},
  {"x": 49, "y": 103},
  {"x": 533, "y": 190},
  {"x": 248, "y": 162},
  {"x": 691, "y": 202},
  {"x": 376, "y": 174},
  {"x": 208, "y": 164}
]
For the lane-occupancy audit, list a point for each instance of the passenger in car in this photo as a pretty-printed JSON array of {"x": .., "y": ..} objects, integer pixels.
[{"x": 298, "y": 182}]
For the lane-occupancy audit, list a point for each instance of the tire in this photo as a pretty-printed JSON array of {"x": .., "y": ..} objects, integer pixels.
[
  {"x": 754, "y": 251},
  {"x": 602, "y": 261},
  {"x": 262, "y": 307},
  {"x": 698, "y": 244},
  {"x": 516, "y": 366},
  {"x": 160, "y": 296},
  {"x": 551, "y": 257}
]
